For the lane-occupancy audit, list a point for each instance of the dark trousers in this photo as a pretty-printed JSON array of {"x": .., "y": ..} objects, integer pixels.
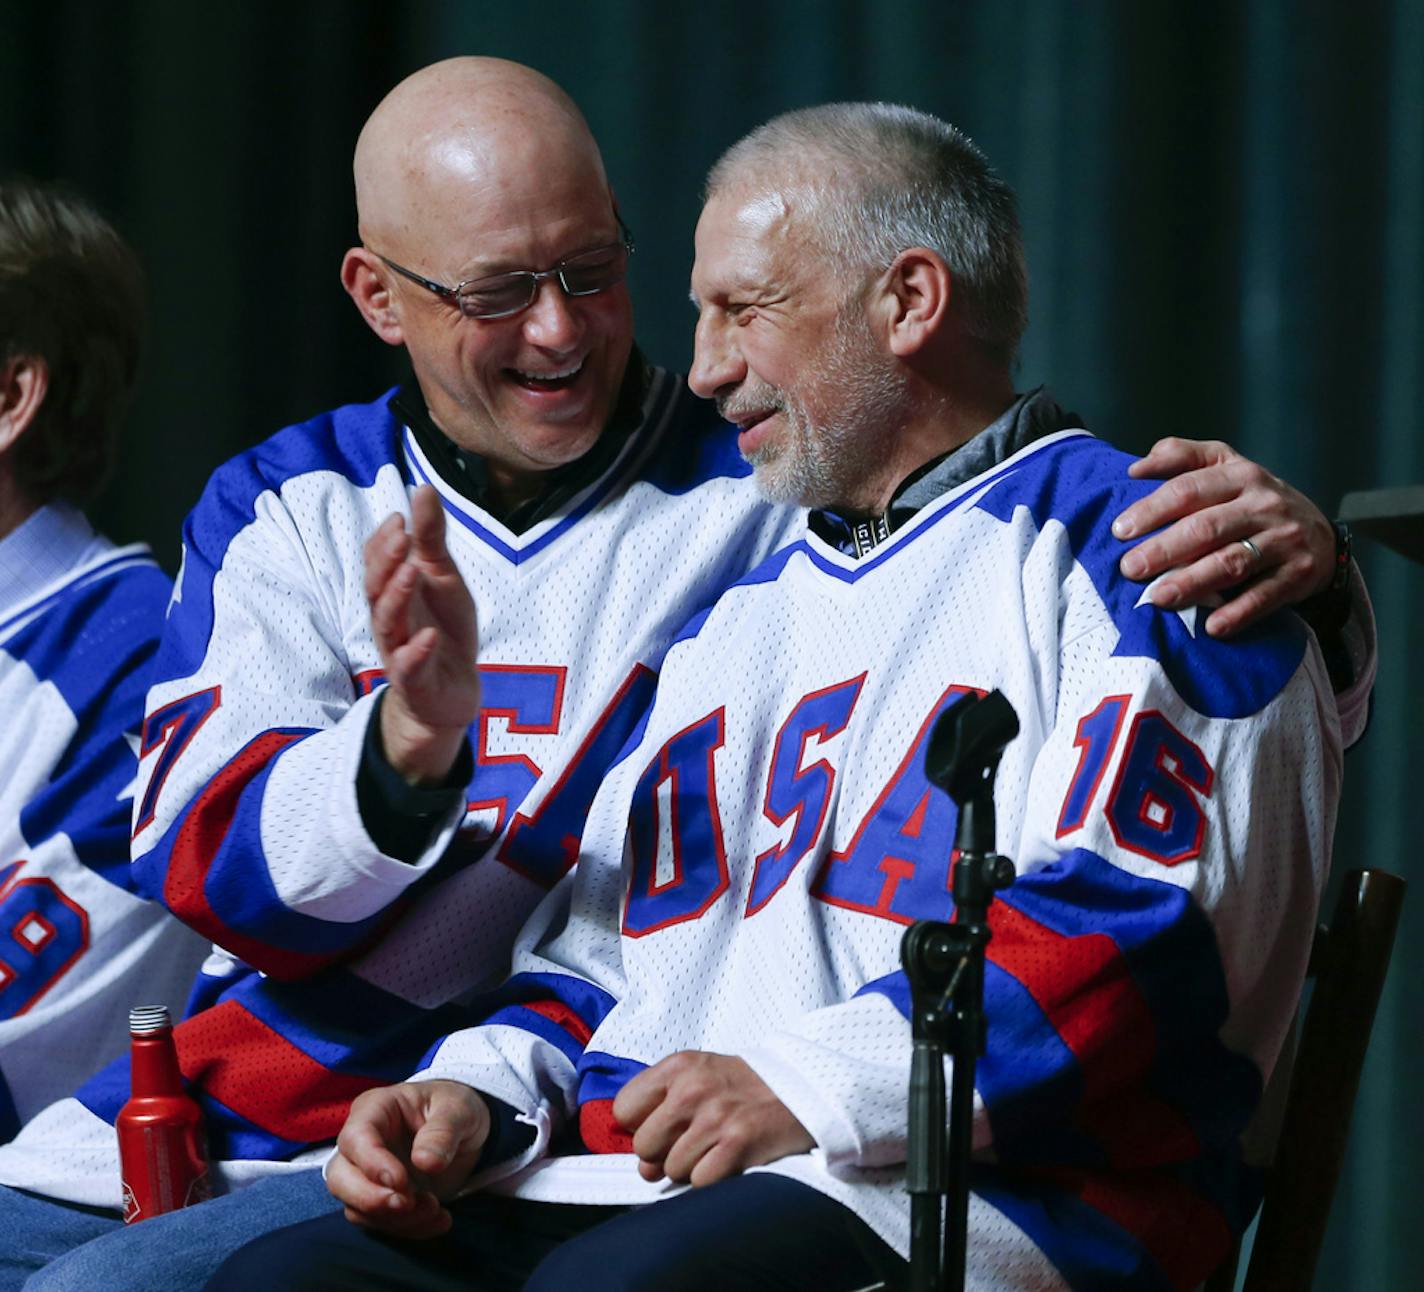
[{"x": 749, "y": 1232}]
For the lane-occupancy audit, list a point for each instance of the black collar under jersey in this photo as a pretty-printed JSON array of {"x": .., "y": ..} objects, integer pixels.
[{"x": 468, "y": 473}]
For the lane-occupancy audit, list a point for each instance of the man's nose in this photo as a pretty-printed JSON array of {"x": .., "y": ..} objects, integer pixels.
[
  {"x": 552, "y": 321},
  {"x": 716, "y": 361}
]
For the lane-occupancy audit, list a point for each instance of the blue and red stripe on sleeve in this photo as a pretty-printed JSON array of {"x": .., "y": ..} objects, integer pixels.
[
  {"x": 275, "y": 1065},
  {"x": 1104, "y": 1078},
  {"x": 209, "y": 869},
  {"x": 565, "y": 1011}
]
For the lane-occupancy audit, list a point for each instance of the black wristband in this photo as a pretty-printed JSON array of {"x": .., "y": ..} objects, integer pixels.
[
  {"x": 1340, "y": 575},
  {"x": 401, "y": 818},
  {"x": 1329, "y": 609},
  {"x": 508, "y": 1137}
]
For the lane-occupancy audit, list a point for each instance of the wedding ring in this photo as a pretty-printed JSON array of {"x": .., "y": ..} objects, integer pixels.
[{"x": 1255, "y": 552}]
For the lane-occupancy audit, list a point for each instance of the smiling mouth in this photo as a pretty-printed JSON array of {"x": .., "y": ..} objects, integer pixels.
[
  {"x": 560, "y": 380},
  {"x": 744, "y": 421},
  {"x": 752, "y": 432}
]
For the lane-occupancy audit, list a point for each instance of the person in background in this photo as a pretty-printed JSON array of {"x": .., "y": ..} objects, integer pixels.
[{"x": 79, "y": 624}]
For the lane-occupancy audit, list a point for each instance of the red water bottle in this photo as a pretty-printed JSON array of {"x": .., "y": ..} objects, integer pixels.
[{"x": 162, "y": 1155}]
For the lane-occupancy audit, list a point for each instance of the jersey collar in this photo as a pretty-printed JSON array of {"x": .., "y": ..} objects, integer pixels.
[
  {"x": 467, "y": 473},
  {"x": 1030, "y": 417}
]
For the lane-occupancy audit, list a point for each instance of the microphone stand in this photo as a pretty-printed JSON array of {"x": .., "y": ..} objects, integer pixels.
[{"x": 945, "y": 966}]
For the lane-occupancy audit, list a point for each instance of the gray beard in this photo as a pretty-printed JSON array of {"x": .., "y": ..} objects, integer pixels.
[{"x": 834, "y": 462}]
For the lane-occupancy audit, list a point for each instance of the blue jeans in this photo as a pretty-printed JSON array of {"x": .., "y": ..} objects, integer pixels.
[{"x": 48, "y": 1246}]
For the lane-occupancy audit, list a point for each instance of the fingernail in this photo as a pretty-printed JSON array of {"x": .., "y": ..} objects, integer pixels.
[
  {"x": 1122, "y": 528},
  {"x": 1133, "y": 565}
]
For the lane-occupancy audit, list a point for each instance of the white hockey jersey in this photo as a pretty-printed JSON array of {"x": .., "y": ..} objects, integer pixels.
[
  {"x": 750, "y": 866},
  {"x": 345, "y": 965},
  {"x": 78, "y": 946}
]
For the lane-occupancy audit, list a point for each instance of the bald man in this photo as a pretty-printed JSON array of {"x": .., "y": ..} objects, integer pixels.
[
  {"x": 331, "y": 790},
  {"x": 357, "y": 815}
]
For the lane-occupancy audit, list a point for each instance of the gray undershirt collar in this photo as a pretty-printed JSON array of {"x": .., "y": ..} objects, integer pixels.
[{"x": 1030, "y": 417}]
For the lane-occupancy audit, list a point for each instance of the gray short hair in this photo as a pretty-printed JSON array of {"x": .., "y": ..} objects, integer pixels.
[
  {"x": 887, "y": 178},
  {"x": 71, "y": 294}
]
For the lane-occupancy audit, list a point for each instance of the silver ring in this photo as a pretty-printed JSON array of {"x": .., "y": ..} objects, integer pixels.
[{"x": 1252, "y": 549}]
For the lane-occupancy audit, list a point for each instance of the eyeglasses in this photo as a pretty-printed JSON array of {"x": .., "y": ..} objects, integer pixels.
[{"x": 498, "y": 296}]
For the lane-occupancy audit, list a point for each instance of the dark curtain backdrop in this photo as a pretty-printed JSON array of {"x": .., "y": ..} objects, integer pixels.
[{"x": 1224, "y": 208}]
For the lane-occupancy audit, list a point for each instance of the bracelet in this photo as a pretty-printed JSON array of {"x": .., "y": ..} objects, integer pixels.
[
  {"x": 1340, "y": 576},
  {"x": 1328, "y": 610}
]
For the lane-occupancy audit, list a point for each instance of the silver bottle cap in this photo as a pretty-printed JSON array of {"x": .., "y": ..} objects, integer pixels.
[{"x": 148, "y": 1018}]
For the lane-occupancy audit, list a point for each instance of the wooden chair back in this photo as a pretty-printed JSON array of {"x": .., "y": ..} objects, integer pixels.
[{"x": 1348, "y": 961}]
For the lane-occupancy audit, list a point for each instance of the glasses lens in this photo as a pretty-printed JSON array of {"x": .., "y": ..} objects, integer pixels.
[
  {"x": 500, "y": 294},
  {"x": 581, "y": 275},
  {"x": 595, "y": 271}
]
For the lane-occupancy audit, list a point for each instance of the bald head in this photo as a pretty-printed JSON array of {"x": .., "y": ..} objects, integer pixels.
[
  {"x": 476, "y": 168},
  {"x": 461, "y": 125}
]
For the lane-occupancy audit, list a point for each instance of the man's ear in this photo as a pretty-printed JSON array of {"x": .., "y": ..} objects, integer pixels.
[
  {"x": 917, "y": 289},
  {"x": 366, "y": 281},
  {"x": 24, "y": 381}
]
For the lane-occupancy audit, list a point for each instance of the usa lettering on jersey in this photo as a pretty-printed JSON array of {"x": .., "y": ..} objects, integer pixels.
[{"x": 749, "y": 867}]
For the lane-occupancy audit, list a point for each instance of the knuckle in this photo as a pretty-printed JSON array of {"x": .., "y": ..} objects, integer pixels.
[
  {"x": 1233, "y": 562},
  {"x": 1294, "y": 533},
  {"x": 369, "y": 1099},
  {"x": 736, "y": 1137},
  {"x": 698, "y": 1089},
  {"x": 1203, "y": 530},
  {"x": 1151, "y": 553},
  {"x": 1300, "y": 571},
  {"x": 1267, "y": 493},
  {"x": 1185, "y": 491},
  {"x": 715, "y": 1110}
]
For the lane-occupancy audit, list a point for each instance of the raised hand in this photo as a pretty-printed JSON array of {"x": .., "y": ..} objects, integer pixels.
[
  {"x": 702, "y": 1117},
  {"x": 404, "y": 1151},
  {"x": 423, "y": 620},
  {"x": 1238, "y": 531}
]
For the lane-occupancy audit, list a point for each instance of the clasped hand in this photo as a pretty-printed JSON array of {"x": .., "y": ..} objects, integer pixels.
[
  {"x": 698, "y": 1117},
  {"x": 695, "y": 1117}
]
